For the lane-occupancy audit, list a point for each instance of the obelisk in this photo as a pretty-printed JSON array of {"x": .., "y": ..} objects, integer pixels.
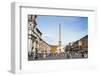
[{"x": 59, "y": 38}]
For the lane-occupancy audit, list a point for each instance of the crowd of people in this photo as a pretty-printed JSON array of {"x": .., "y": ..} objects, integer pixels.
[{"x": 69, "y": 54}]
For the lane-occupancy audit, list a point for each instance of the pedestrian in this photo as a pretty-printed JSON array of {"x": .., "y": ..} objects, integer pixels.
[{"x": 82, "y": 55}]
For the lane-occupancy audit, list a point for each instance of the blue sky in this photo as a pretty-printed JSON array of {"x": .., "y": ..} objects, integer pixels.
[{"x": 72, "y": 28}]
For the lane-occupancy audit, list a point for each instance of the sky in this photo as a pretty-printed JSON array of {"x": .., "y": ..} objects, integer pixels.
[{"x": 72, "y": 28}]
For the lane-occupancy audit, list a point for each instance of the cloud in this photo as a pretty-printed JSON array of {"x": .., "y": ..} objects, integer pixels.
[{"x": 50, "y": 39}]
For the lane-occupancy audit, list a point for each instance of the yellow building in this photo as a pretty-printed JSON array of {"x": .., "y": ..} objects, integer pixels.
[{"x": 53, "y": 48}]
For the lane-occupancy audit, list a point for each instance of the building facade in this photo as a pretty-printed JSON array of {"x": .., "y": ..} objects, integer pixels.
[
  {"x": 34, "y": 35},
  {"x": 54, "y": 49},
  {"x": 36, "y": 45},
  {"x": 79, "y": 45}
]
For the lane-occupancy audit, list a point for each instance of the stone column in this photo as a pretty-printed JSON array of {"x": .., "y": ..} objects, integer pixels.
[
  {"x": 34, "y": 50},
  {"x": 29, "y": 46}
]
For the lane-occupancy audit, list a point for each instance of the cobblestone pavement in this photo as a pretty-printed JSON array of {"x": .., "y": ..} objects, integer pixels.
[{"x": 30, "y": 58}]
